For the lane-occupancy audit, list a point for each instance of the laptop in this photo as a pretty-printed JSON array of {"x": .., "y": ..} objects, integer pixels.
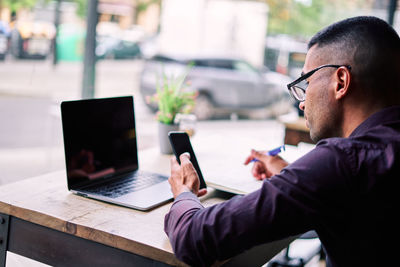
[{"x": 101, "y": 154}]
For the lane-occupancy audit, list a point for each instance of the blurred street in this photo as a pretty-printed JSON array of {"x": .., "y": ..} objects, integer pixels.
[
  {"x": 30, "y": 95},
  {"x": 39, "y": 78}
]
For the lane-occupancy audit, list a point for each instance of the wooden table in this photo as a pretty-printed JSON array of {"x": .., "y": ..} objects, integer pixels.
[{"x": 42, "y": 220}]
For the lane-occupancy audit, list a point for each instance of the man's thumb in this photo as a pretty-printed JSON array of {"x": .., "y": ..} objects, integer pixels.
[{"x": 184, "y": 157}]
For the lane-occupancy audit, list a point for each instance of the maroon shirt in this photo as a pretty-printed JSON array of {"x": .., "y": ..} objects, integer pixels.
[{"x": 346, "y": 189}]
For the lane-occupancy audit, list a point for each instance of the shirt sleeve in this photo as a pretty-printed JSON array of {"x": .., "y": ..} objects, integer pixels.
[{"x": 287, "y": 204}]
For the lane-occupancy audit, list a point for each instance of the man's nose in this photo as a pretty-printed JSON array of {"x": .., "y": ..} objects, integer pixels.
[{"x": 301, "y": 105}]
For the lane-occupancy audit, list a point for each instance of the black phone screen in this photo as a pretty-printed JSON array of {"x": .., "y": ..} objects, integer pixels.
[{"x": 180, "y": 143}]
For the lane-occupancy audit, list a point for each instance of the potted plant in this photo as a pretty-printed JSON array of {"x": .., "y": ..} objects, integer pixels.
[{"x": 172, "y": 99}]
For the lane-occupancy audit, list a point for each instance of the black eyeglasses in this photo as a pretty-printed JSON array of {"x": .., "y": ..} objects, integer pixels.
[{"x": 297, "y": 88}]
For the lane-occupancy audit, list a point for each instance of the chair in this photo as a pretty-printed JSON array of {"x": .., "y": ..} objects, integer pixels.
[{"x": 299, "y": 252}]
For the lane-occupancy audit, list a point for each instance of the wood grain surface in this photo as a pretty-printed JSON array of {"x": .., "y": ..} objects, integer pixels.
[{"x": 45, "y": 200}]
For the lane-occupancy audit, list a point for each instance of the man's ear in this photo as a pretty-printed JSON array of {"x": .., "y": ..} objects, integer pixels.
[{"x": 343, "y": 78}]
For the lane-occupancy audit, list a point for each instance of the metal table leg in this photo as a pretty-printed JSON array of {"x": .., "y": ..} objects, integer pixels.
[{"x": 4, "y": 219}]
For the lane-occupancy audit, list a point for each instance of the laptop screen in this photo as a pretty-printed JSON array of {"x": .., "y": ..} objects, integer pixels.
[{"x": 99, "y": 139}]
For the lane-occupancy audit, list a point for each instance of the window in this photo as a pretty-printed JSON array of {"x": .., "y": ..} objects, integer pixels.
[{"x": 243, "y": 66}]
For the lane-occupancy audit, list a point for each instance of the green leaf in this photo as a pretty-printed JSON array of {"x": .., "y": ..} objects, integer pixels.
[{"x": 171, "y": 96}]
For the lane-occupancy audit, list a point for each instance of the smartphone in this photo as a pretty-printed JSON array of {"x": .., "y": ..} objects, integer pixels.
[{"x": 180, "y": 143}]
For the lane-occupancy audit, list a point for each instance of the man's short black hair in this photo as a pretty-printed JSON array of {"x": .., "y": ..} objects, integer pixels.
[
  {"x": 358, "y": 29},
  {"x": 370, "y": 45}
]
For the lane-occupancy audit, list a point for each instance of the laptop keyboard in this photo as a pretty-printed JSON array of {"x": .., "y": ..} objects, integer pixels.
[{"x": 135, "y": 182}]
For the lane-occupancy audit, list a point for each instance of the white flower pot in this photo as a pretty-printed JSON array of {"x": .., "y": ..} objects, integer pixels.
[{"x": 163, "y": 130}]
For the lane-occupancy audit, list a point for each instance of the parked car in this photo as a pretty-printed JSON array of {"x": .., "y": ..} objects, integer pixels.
[
  {"x": 109, "y": 47},
  {"x": 285, "y": 55},
  {"x": 32, "y": 39},
  {"x": 116, "y": 43},
  {"x": 4, "y": 35},
  {"x": 225, "y": 85}
]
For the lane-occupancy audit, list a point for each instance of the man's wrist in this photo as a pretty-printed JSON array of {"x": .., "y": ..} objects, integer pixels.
[{"x": 183, "y": 189}]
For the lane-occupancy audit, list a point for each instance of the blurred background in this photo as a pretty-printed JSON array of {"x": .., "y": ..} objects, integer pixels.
[{"x": 243, "y": 55}]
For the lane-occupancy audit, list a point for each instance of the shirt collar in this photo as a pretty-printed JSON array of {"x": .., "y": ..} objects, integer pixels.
[{"x": 381, "y": 117}]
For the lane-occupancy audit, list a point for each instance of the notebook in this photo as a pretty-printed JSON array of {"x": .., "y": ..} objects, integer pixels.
[{"x": 101, "y": 154}]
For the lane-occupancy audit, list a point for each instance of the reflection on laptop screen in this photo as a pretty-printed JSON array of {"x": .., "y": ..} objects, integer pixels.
[{"x": 99, "y": 139}]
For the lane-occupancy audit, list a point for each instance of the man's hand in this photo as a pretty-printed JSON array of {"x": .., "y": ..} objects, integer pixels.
[
  {"x": 266, "y": 166},
  {"x": 184, "y": 177}
]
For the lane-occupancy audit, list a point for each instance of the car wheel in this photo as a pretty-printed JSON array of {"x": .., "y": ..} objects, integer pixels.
[{"x": 204, "y": 108}]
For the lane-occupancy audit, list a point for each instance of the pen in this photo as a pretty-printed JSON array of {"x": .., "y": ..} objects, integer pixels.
[{"x": 272, "y": 152}]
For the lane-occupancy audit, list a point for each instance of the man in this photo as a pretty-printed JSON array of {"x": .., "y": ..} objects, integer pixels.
[{"x": 345, "y": 189}]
